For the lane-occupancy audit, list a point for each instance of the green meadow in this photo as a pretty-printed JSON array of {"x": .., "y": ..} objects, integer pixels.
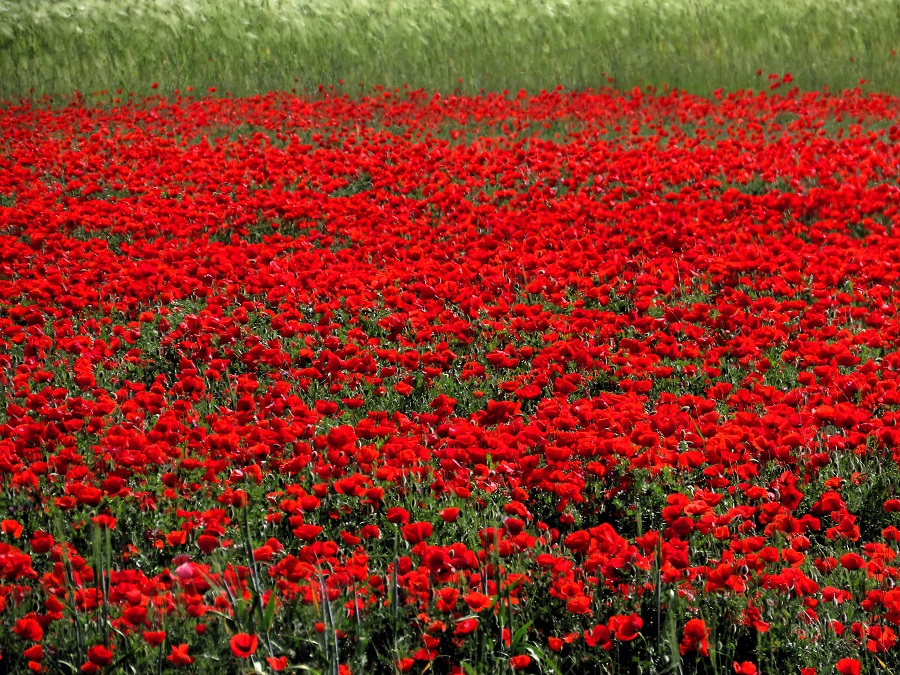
[{"x": 249, "y": 46}]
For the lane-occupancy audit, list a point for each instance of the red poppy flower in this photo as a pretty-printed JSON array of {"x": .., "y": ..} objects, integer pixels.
[
  {"x": 417, "y": 532},
  {"x": 243, "y": 646},
  {"x": 450, "y": 514},
  {"x": 179, "y": 656},
  {"x": 341, "y": 436},
  {"x": 519, "y": 662},
  {"x": 477, "y": 601},
  {"x": 135, "y": 615},
  {"x": 99, "y": 655},
  {"x": 154, "y": 638},
  {"x": 207, "y": 543},
  {"x": 447, "y": 598},
  {"x": 12, "y": 528},
  {"x": 307, "y": 532},
  {"x": 852, "y": 561},
  {"x": 466, "y": 626},
  {"x": 34, "y": 653},
  {"x": 89, "y": 495},
  {"x": 277, "y": 663},
  {"x": 695, "y": 638},
  {"x": 625, "y": 628},
  {"x": 578, "y": 541},
  {"x": 370, "y": 532},
  {"x": 403, "y": 388},
  {"x": 880, "y": 639},
  {"x": 29, "y": 629},
  {"x": 580, "y": 604},
  {"x": 263, "y": 553},
  {"x": 397, "y": 515},
  {"x": 41, "y": 542},
  {"x": 848, "y": 666}
]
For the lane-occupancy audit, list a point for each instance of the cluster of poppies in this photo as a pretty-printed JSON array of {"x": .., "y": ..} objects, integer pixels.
[{"x": 574, "y": 381}]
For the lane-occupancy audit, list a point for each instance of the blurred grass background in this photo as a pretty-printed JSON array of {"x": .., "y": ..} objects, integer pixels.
[{"x": 250, "y": 46}]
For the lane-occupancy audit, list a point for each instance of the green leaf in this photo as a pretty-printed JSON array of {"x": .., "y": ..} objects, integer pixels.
[
  {"x": 269, "y": 615},
  {"x": 470, "y": 669},
  {"x": 543, "y": 658},
  {"x": 519, "y": 635}
]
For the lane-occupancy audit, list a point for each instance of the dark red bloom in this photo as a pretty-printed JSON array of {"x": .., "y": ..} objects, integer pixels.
[
  {"x": 695, "y": 638},
  {"x": 519, "y": 662},
  {"x": 277, "y": 663},
  {"x": 29, "y": 629},
  {"x": 466, "y": 626},
  {"x": 243, "y": 646},
  {"x": 180, "y": 656},
  {"x": 99, "y": 655},
  {"x": 154, "y": 638},
  {"x": 626, "y": 627},
  {"x": 599, "y": 636},
  {"x": 417, "y": 532},
  {"x": 848, "y": 666},
  {"x": 397, "y": 515}
]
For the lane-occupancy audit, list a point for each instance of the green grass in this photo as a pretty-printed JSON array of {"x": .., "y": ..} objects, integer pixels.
[{"x": 249, "y": 46}]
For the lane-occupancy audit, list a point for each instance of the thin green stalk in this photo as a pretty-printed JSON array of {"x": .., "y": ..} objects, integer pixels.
[
  {"x": 69, "y": 576},
  {"x": 254, "y": 581},
  {"x": 361, "y": 640},
  {"x": 395, "y": 609},
  {"x": 657, "y": 591}
]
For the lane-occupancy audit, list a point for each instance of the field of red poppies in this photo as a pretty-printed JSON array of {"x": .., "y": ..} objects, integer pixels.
[{"x": 569, "y": 382}]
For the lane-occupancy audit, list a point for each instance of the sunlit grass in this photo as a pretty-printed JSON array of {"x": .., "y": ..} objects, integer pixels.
[{"x": 247, "y": 46}]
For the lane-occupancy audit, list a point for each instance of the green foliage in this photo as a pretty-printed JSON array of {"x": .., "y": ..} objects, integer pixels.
[{"x": 249, "y": 46}]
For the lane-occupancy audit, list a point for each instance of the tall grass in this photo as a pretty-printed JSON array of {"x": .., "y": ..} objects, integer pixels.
[{"x": 246, "y": 46}]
